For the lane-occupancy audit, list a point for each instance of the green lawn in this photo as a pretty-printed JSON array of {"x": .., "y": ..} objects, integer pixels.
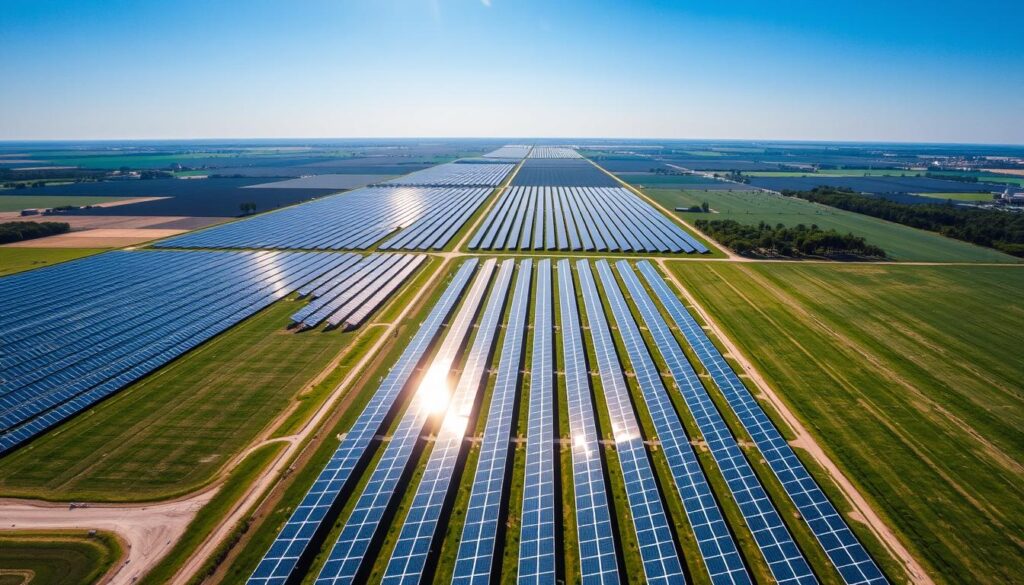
[
  {"x": 900, "y": 242},
  {"x": 958, "y": 196},
  {"x": 910, "y": 377},
  {"x": 173, "y": 431},
  {"x": 19, "y": 202},
  {"x": 56, "y": 558},
  {"x": 18, "y": 259}
]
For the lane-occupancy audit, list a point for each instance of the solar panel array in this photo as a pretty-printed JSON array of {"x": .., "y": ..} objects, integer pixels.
[
  {"x": 537, "y": 544},
  {"x": 428, "y": 218},
  {"x": 597, "y": 550},
  {"x": 841, "y": 546},
  {"x": 654, "y": 537},
  {"x": 510, "y": 151},
  {"x": 349, "y": 294},
  {"x": 98, "y": 324},
  {"x": 296, "y": 543},
  {"x": 409, "y": 557},
  {"x": 360, "y": 531},
  {"x": 442, "y": 407},
  {"x": 474, "y": 561},
  {"x": 579, "y": 219},
  {"x": 562, "y": 172},
  {"x": 553, "y": 152},
  {"x": 785, "y": 561},
  {"x": 453, "y": 174}
]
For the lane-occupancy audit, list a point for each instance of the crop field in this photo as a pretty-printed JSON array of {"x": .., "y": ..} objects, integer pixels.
[
  {"x": 838, "y": 173},
  {"x": 57, "y": 558},
  {"x": 18, "y": 259},
  {"x": 19, "y": 202},
  {"x": 912, "y": 384},
  {"x": 900, "y": 242}
]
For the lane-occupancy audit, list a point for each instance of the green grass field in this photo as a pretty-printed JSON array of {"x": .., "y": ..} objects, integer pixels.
[
  {"x": 19, "y": 202},
  {"x": 909, "y": 376},
  {"x": 958, "y": 196},
  {"x": 55, "y": 558},
  {"x": 18, "y": 259},
  {"x": 173, "y": 431},
  {"x": 900, "y": 242}
]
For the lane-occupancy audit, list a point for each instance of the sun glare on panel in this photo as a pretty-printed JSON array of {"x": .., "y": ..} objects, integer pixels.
[{"x": 434, "y": 391}]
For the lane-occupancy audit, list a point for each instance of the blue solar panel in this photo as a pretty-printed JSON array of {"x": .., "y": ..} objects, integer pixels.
[
  {"x": 717, "y": 548},
  {"x": 474, "y": 560},
  {"x": 537, "y": 546},
  {"x": 840, "y": 545},
  {"x": 598, "y": 563},
  {"x": 349, "y": 551},
  {"x": 314, "y": 514},
  {"x": 650, "y": 522},
  {"x": 409, "y": 557}
]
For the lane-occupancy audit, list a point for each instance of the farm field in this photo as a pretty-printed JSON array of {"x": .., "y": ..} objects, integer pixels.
[
  {"x": 900, "y": 242},
  {"x": 838, "y": 173},
  {"x": 57, "y": 558},
  {"x": 171, "y": 432},
  {"x": 911, "y": 384},
  {"x": 18, "y": 259},
  {"x": 872, "y": 184},
  {"x": 19, "y": 202}
]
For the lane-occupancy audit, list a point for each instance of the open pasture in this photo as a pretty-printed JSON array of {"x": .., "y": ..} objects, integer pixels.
[{"x": 908, "y": 376}]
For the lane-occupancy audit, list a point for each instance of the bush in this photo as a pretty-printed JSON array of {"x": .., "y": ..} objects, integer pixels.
[{"x": 17, "y": 231}]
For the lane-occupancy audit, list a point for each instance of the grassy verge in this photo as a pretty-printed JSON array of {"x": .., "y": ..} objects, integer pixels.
[
  {"x": 56, "y": 558},
  {"x": 19, "y": 259},
  {"x": 923, "y": 408},
  {"x": 899, "y": 241}
]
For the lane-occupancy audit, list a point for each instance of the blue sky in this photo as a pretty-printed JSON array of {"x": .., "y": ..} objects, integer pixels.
[{"x": 868, "y": 70}]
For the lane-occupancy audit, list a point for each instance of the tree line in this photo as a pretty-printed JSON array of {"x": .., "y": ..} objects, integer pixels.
[
  {"x": 795, "y": 242},
  {"x": 17, "y": 231},
  {"x": 992, "y": 228}
]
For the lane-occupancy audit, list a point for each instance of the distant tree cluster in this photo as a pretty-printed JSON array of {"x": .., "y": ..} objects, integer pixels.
[
  {"x": 17, "y": 231},
  {"x": 992, "y": 228},
  {"x": 952, "y": 177},
  {"x": 795, "y": 242}
]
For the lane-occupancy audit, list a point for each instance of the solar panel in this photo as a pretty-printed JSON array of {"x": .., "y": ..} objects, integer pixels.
[
  {"x": 650, "y": 522},
  {"x": 537, "y": 547},
  {"x": 360, "y": 530},
  {"x": 841, "y": 546},
  {"x": 474, "y": 560},
  {"x": 452, "y": 174},
  {"x": 718, "y": 550},
  {"x": 409, "y": 557},
  {"x": 597, "y": 556},
  {"x": 316, "y": 511}
]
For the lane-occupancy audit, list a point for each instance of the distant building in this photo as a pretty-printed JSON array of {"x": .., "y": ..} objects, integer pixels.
[{"x": 25, "y": 212}]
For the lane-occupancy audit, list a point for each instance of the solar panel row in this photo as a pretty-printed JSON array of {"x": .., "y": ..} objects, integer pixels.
[
  {"x": 456, "y": 175},
  {"x": 537, "y": 545},
  {"x": 553, "y": 152},
  {"x": 409, "y": 557},
  {"x": 579, "y": 218},
  {"x": 347, "y": 555},
  {"x": 296, "y": 543},
  {"x": 561, "y": 172},
  {"x": 428, "y": 217},
  {"x": 785, "y": 561},
  {"x": 847, "y": 554},
  {"x": 109, "y": 320},
  {"x": 352, "y": 294},
  {"x": 474, "y": 560}
]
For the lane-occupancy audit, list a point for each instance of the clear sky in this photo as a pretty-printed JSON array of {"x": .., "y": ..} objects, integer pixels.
[{"x": 837, "y": 70}]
